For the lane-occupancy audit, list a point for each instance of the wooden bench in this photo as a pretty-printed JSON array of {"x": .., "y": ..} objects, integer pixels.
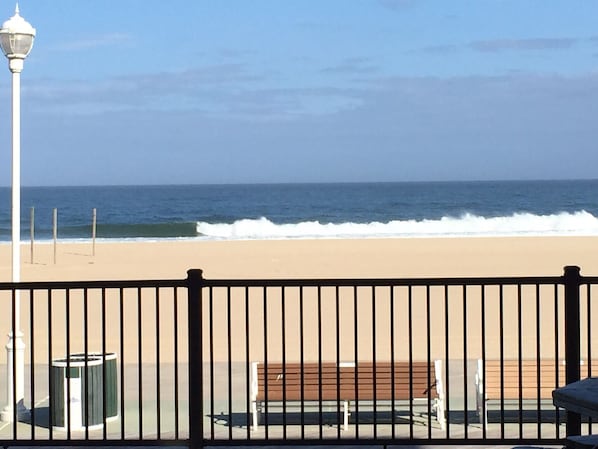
[
  {"x": 490, "y": 387},
  {"x": 340, "y": 384}
]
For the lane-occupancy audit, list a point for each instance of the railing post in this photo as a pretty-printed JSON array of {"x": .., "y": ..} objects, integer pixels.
[
  {"x": 572, "y": 280},
  {"x": 195, "y": 345}
]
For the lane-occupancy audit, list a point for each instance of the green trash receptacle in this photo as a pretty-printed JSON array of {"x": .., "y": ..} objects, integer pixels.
[
  {"x": 111, "y": 386},
  {"x": 111, "y": 383},
  {"x": 76, "y": 376}
]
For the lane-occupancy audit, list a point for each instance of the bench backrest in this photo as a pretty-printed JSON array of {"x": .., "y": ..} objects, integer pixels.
[
  {"x": 344, "y": 381},
  {"x": 510, "y": 385}
]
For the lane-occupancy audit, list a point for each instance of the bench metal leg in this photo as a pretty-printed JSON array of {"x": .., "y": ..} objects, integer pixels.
[
  {"x": 440, "y": 413},
  {"x": 345, "y": 415},
  {"x": 254, "y": 415}
]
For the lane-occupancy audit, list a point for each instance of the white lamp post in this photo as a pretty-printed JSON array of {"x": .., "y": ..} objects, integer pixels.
[{"x": 16, "y": 40}]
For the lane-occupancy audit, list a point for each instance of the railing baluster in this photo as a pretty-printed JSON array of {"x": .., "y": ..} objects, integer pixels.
[
  {"x": 410, "y": 349},
  {"x": 356, "y": 358},
  {"x": 447, "y": 387},
  {"x": 589, "y": 331},
  {"x": 538, "y": 359},
  {"x": 230, "y": 358},
  {"x": 502, "y": 361},
  {"x": 429, "y": 360},
  {"x": 14, "y": 400},
  {"x": 175, "y": 304},
  {"x": 104, "y": 369},
  {"x": 32, "y": 358},
  {"x": 520, "y": 358},
  {"x": 483, "y": 393},
  {"x": 121, "y": 329},
  {"x": 589, "y": 343},
  {"x": 86, "y": 362},
  {"x": 392, "y": 362},
  {"x": 320, "y": 413},
  {"x": 247, "y": 362},
  {"x": 68, "y": 365},
  {"x": 338, "y": 360},
  {"x": 140, "y": 362},
  {"x": 158, "y": 376},
  {"x": 284, "y": 363},
  {"x": 211, "y": 353},
  {"x": 302, "y": 360},
  {"x": 556, "y": 352},
  {"x": 265, "y": 317},
  {"x": 374, "y": 370},
  {"x": 50, "y": 371}
]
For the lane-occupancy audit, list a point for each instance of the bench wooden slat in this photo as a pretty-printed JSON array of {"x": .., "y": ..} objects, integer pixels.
[
  {"x": 313, "y": 393},
  {"x": 527, "y": 380},
  {"x": 330, "y": 378},
  {"x": 329, "y": 381},
  {"x": 509, "y": 378}
]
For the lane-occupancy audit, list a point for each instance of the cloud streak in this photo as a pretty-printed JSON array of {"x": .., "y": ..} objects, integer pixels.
[
  {"x": 232, "y": 91},
  {"x": 104, "y": 40},
  {"x": 535, "y": 44},
  {"x": 397, "y": 5},
  {"x": 351, "y": 66},
  {"x": 390, "y": 128},
  {"x": 440, "y": 49}
]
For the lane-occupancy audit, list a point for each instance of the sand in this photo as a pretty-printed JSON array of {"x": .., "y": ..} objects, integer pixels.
[
  {"x": 280, "y": 259},
  {"x": 372, "y": 258}
]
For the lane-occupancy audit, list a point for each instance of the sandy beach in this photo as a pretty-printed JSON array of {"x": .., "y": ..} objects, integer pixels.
[
  {"x": 368, "y": 258},
  {"x": 373, "y": 258}
]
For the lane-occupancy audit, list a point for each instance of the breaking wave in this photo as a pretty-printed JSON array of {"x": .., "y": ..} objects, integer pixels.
[{"x": 467, "y": 225}]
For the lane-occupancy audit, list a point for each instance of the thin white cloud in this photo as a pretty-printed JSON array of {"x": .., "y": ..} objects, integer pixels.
[
  {"x": 104, "y": 40},
  {"x": 414, "y": 128},
  {"x": 497, "y": 45},
  {"x": 352, "y": 66},
  {"x": 235, "y": 91},
  {"x": 397, "y": 5},
  {"x": 440, "y": 49}
]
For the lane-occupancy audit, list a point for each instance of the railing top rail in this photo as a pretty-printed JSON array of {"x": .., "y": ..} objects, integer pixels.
[
  {"x": 298, "y": 282},
  {"x": 73, "y": 285},
  {"x": 477, "y": 281}
]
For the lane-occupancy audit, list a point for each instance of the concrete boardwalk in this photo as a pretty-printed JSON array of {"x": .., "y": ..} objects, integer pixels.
[{"x": 158, "y": 420}]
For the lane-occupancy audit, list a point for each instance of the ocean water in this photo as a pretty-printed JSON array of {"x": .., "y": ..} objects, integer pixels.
[{"x": 279, "y": 211}]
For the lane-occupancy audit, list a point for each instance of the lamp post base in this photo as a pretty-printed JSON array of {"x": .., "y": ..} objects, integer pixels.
[
  {"x": 7, "y": 415},
  {"x": 15, "y": 352}
]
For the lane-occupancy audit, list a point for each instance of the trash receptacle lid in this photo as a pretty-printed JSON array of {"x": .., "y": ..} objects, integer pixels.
[{"x": 78, "y": 360}]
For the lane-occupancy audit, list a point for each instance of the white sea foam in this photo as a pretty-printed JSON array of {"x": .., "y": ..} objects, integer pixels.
[{"x": 578, "y": 223}]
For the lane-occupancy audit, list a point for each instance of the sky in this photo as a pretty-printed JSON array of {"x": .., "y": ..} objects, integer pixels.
[{"x": 244, "y": 91}]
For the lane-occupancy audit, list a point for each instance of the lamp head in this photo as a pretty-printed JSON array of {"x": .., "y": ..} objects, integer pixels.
[{"x": 16, "y": 40}]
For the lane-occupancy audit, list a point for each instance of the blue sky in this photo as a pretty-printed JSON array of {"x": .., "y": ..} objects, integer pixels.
[{"x": 234, "y": 91}]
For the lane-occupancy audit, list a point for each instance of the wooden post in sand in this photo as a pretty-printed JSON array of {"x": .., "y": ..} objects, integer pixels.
[
  {"x": 93, "y": 231},
  {"x": 32, "y": 228},
  {"x": 55, "y": 230}
]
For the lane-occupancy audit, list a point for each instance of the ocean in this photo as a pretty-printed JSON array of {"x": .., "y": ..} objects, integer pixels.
[{"x": 295, "y": 211}]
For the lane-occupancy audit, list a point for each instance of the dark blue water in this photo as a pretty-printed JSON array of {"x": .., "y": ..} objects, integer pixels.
[{"x": 310, "y": 210}]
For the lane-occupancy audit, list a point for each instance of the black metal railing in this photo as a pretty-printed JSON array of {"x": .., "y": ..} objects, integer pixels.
[
  {"x": 202, "y": 362},
  {"x": 102, "y": 361}
]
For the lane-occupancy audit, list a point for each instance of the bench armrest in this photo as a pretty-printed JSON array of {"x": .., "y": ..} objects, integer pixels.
[
  {"x": 440, "y": 402},
  {"x": 253, "y": 388}
]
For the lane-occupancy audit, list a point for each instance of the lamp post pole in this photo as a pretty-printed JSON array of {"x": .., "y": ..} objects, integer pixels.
[{"x": 16, "y": 40}]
